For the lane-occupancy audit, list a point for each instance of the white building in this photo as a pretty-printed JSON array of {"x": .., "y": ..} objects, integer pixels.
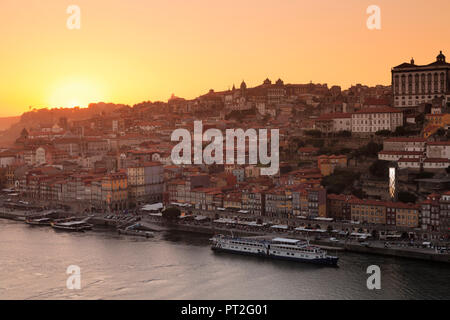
[
  {"x": 7, "y": 159},
  {"x": 334, "y": 122},
  {"x": 409, "y": 163},
  {"x": 435, "y": 163},
  {"x": 404, "y": 144},
  {"x": 397, "y": 155},
  {"x": 438, "y": 149},
  {"x": 367, "y": 121}
]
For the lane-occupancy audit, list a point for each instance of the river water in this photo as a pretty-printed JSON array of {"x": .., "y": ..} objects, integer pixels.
[{"x": 34, "y": 260}]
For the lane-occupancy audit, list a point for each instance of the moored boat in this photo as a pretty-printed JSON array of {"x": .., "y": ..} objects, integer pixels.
[
  {"x": 38, "y": 221},
  {"x": 136, "y": 230},
  {"x": 277, "y": 248},
  {"x": 77, "y": 226}
]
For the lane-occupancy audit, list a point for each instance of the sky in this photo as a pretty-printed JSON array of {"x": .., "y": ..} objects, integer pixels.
[{"x": 138, "y": 50}]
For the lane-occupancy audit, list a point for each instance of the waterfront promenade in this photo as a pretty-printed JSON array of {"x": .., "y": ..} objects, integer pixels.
[{"x": 327, "y": 240}]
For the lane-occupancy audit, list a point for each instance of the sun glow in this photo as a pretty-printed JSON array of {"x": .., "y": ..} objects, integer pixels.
[{"x": 75, "y": 93}]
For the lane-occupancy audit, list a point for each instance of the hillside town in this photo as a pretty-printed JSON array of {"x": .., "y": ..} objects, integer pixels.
[{"x": 372, "y": 158}]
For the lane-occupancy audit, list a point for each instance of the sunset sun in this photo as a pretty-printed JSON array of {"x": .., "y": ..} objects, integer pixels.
[{"x": 75, "y": 93}]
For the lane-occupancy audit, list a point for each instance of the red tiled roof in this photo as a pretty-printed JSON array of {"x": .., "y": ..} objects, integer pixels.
[
  {"x": 408, "y": 139},
  {"x": 439, "y": 143},
  {"x": 408, "y": 160},
  {"x": 331, "y": 116},
  {"x": 402, "y": 153},
  {"x": 437, "y": 160},
  {"x": 379, "y": 110}
]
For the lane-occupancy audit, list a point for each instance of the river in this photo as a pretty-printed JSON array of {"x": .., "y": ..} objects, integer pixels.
[{"x": 173, "y": 265}]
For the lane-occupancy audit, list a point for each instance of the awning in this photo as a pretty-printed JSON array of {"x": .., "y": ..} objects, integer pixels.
[
  {"x": 280, "y": 226},
  {"x": 152, "y": 207}
]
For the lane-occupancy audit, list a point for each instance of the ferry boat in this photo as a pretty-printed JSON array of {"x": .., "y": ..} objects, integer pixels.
[
  {"x": 277, "y": 248},
  {"x": 38, "y": 221},
  {"x": 77, "y": 226},
  {"x": 135, "y": 230}
]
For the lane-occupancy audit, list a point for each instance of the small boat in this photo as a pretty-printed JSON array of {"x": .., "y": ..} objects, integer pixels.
[
  {"x": 136, "y": 230},
  {"x": 76, "y": 226},
  {"x": 139, "y": 233},
  {"x": 38, "y": 221}
]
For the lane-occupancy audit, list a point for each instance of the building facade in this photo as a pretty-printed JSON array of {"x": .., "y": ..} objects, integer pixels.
[{"x": 416, "y": 84}]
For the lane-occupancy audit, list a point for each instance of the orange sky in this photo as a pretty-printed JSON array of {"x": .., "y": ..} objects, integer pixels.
[{"x": 135, "y": 50}]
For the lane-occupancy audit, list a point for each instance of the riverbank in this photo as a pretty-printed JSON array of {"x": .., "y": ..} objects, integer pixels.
[
  {"x": 376, "y": 248},
  {"x": 155, "y": 224}
]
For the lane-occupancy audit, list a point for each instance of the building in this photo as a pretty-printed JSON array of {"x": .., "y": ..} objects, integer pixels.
[
  {"x": 438, "y": 149},
  {"x": 416, "y": 84},
  {"x": 396, "y": 155},
  {"x": 327, "y": 164},
  {"x": 404, "y": 144},
  {"x": 278, "y": 203},
  {"x": 404, "y": 215},
  {"x": 371, "y": 120},
  {"x": 338, "y": 206},
  {"x": 444, "y": 211},
  {"x": 145, "y": 182},
  {"x": 110, "y": 192},
  {"x": 430, "y": 213},
  {"x": 7, "y": 159},
  {"x": 368, "y": 211},
  {"x": 334, "y": 122},
  {"x": 253, "y": 200}
]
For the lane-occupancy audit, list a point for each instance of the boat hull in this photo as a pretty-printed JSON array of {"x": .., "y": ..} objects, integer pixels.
[
  {"x": 71, "y": 229},
  {"x": 328, "y": 261},
  {"x": 37, "y": 224}
]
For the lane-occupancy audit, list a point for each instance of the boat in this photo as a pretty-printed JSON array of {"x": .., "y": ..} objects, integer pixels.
[
  {"x": 38, "y": 221},
  {"x": 77, "y": 226},
  {"x": 277, "y": 248},
  {"x": 139, "y": 233},
  {"x": 136, "y": 230}
]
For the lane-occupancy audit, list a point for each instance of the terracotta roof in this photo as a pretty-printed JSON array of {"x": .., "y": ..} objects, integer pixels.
[
  {"x": 331, "y": 116},
  {"x": 408, "y": 160},
  {"x": 379, "y": 110},
  {"x": 439, "y": 143},
  {"x": 403, "y": 153},
  {"x": 437, "y": 160},
  {"x": 408, "y": 139}
]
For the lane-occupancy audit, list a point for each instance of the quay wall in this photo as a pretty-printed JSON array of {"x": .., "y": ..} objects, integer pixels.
[
  {"x": 211, "y": 230},
  {"x": 393, "y": 252}
]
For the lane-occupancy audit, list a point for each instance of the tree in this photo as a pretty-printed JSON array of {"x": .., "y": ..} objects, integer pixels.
[
  {"x": 440, "y": 132},
  {"x": 171, "y": 213},
  {"x": 383, "y": 133},
  {"x": 379, "y": 168},
  {"x": 404, "y": 196},
  {"x": 318, "y": 143},
  {"x": 345, "y": 134},
  {"x": 313, "y": 133},
  {"x": 400, "y": 131},
  {"x": 339, "y": 180}
]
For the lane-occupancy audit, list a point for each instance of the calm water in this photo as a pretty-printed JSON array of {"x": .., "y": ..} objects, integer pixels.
[{"x": 33, "y": 261}]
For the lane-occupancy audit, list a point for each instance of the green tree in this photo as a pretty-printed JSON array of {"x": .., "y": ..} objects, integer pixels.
[
  {"x": 313, "y": 133},
  {"x": 380, "y": 169},
  {"x": 406, "y": 197}
]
